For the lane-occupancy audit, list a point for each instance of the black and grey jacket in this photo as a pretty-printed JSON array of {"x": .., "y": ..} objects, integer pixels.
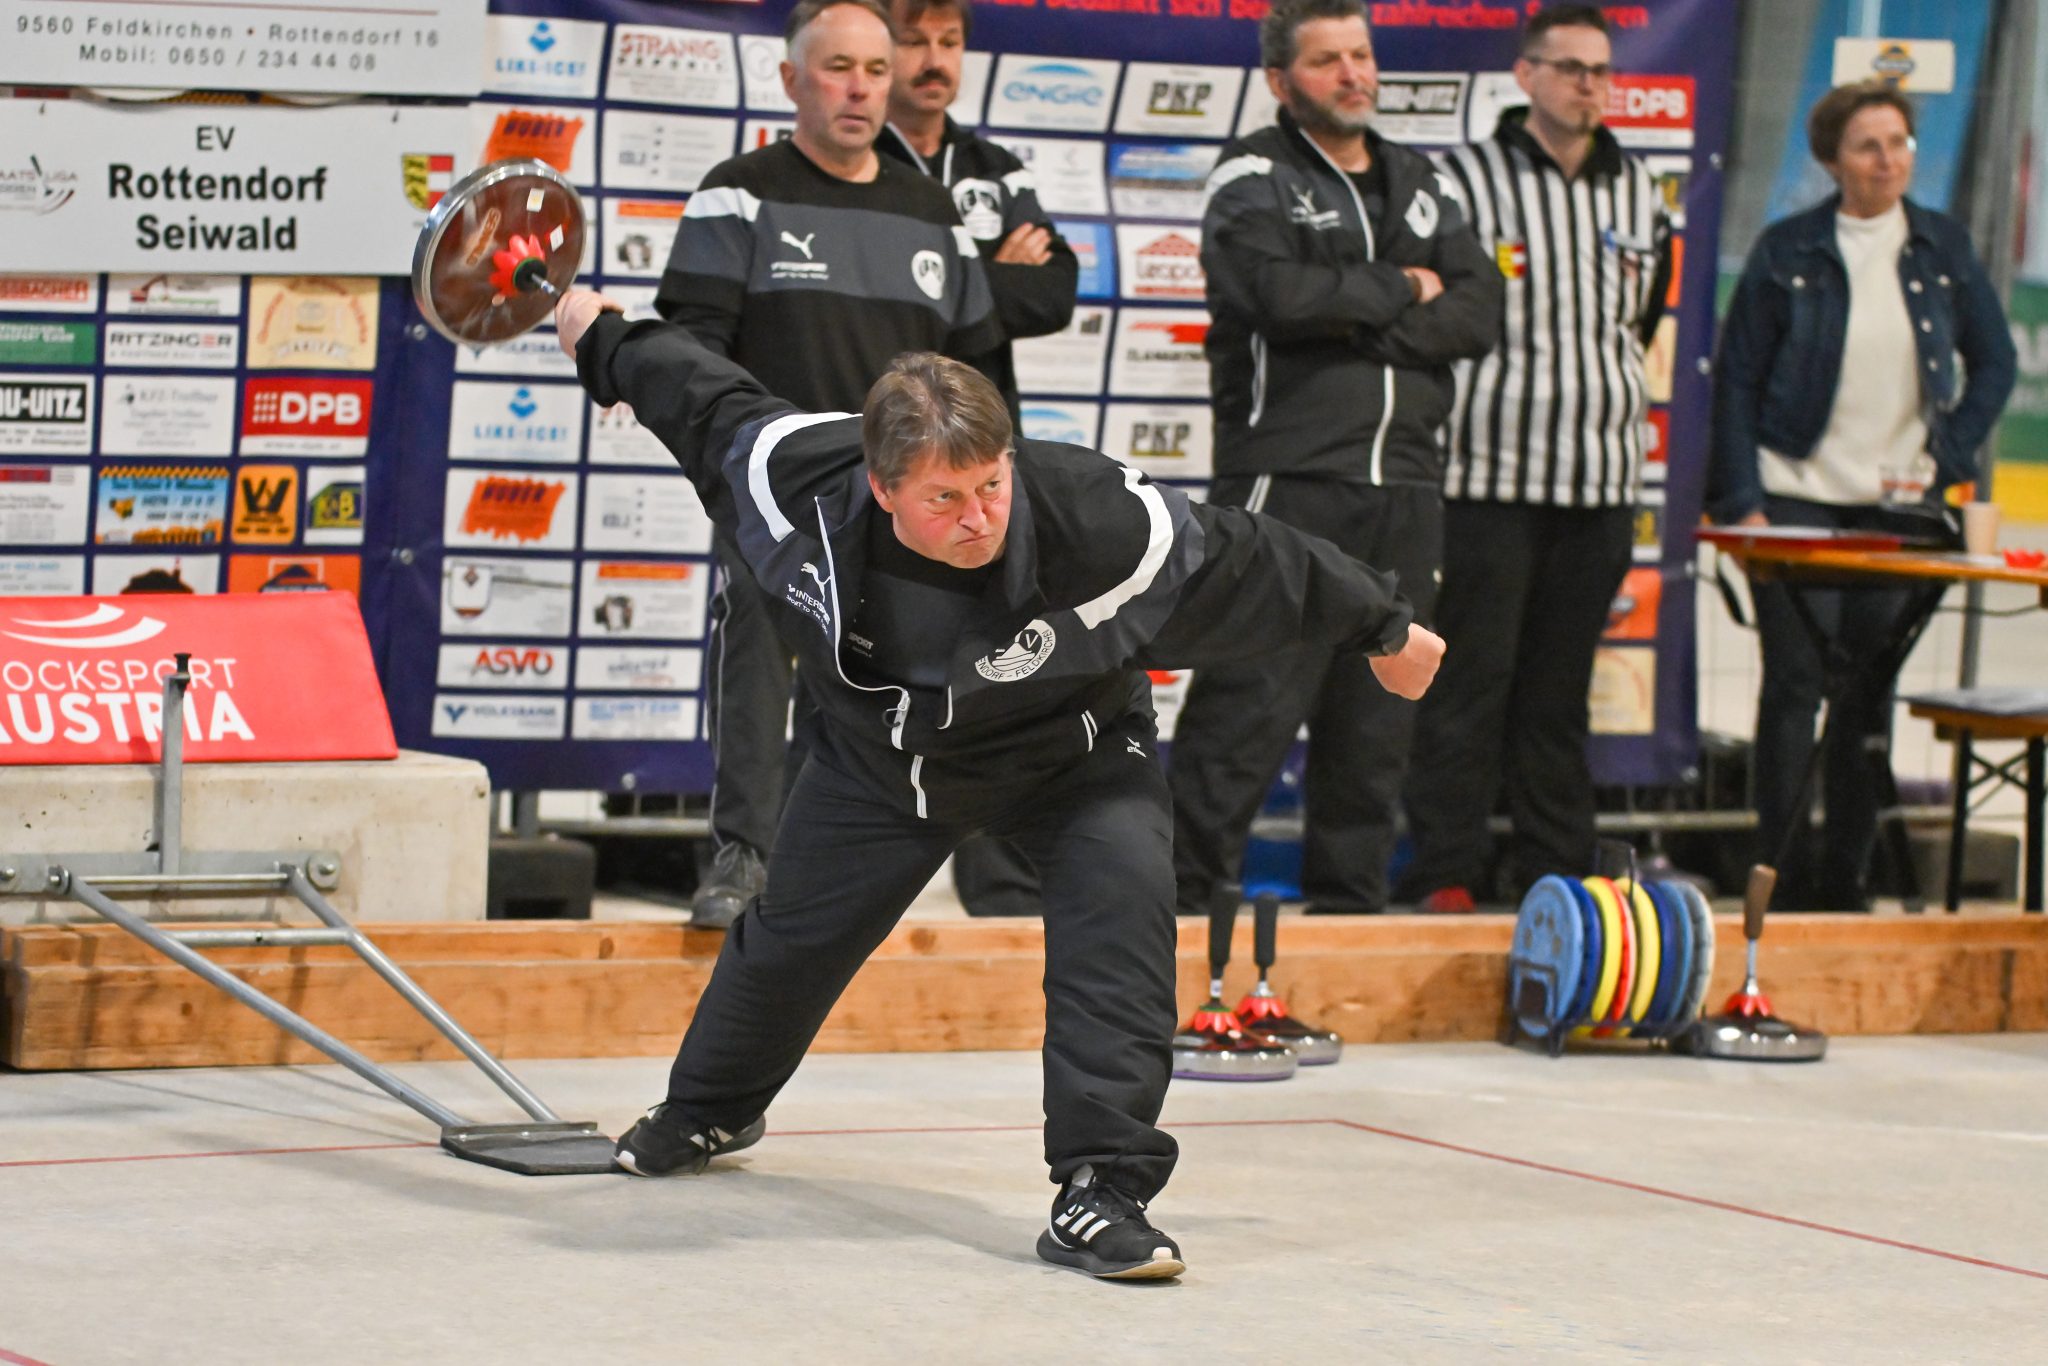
[
  {"x": 815, "y": 284},
  {"x": 1320, "y": 360},
  {"x": 1105, "y": 575},
  {"x": 995, "y": 195}
]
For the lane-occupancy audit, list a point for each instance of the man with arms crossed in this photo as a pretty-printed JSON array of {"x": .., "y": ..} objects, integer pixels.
[
  {"x": 1342, "y": 282},
  {"x": 974, "y": 615}
]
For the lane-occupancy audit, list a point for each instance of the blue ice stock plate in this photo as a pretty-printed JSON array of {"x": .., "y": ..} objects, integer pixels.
[
  {"x": 1596, "y": 949},
  {"x": 1549, "y": 948},
  {"x": 1675, "y": 976}
]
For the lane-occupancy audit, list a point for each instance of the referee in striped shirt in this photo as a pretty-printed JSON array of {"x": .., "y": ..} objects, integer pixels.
[{"x": 1546, "y": 453}]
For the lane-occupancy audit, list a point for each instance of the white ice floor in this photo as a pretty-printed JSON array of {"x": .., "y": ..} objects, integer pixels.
[{"x": 1429, "y": 1203}]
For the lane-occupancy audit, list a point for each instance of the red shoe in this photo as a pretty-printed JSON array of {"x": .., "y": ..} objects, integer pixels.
[{"x": 1448, "y": 901}]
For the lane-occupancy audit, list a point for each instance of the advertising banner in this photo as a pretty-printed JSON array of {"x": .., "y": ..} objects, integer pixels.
[
  {"x": 343, "y": 47},
  {"x": 533, "y": 569},
  {"x": 273, "y": 678},
  {"x": 220, "y": 188}
]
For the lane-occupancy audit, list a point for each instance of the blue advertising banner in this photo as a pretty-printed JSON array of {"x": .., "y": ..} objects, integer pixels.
[{"x": 535, "y": 572}]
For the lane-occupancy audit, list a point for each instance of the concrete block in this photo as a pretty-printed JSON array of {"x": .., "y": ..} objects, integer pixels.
[{"x": 413, "y": 832}]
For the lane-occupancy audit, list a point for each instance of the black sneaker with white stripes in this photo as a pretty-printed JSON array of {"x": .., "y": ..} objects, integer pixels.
[
  {"x": 1096, "y": 1228},
  {"x": 663, "y": 1143}
]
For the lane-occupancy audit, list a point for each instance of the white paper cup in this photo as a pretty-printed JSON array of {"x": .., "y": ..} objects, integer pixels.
[{"x": 1980, "y": 528}]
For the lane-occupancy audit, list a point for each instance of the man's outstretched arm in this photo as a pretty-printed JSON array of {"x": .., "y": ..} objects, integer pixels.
[
  {"x": 1263, "y": 584},
  {"x": 695, "y": 401}
]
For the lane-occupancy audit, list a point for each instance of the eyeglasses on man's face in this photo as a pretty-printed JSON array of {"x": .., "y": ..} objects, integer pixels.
[{"x": 1572, "y": 69}]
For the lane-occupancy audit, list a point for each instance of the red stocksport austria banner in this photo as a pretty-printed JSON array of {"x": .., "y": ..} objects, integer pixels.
[{"x": 275, "y": 677}]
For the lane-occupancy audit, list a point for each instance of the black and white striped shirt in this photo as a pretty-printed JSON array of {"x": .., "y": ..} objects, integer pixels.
[{"x": 1555, "y": 414}]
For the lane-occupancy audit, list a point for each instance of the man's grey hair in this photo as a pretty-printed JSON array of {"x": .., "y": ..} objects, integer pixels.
[
  {"x": 807, "y": 12},
  {"x": 925, "y": 403},
  {"x": 1278, "y": 30}
]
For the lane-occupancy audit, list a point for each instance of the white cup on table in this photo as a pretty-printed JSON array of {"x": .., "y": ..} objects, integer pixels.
[{"x": 1980, "y": 529}]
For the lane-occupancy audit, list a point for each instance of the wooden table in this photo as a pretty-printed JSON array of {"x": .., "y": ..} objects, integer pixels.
[
  {"x": 1865, "y": 556},
  {"x": 1819, "y": 557}
]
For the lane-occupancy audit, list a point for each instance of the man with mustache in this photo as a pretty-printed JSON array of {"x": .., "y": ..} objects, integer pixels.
[
  {"x": 813, "y": 263},
  {"x": 1031, "y": 272}
]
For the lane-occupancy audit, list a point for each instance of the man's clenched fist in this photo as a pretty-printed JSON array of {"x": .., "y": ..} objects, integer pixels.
[
  {"x": 577, "y": 311},
  {"x": 1407, "y": 673}
]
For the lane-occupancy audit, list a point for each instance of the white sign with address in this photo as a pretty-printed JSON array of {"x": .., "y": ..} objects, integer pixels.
[{"x": 343, "y": 47}]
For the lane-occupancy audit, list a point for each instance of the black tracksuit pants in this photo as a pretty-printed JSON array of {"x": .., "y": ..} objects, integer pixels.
[
  {"x": 1526, "y": 595},
  {"x": 849, "y": 859},
  {"x": 1240, "y": 718},
  {"x": 747, "y": 705}
]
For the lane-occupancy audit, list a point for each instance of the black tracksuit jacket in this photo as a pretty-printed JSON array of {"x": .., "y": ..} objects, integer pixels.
[
  {"x": 1320, "y": 360},
  {"x": 1105, "y": 575}
]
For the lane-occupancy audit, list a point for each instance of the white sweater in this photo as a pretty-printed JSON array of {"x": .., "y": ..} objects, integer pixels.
[{"x": 1875, "y": 425}]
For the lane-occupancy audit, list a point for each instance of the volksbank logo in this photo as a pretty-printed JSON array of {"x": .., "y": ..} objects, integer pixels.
[{"x": 1057, "y": 83}]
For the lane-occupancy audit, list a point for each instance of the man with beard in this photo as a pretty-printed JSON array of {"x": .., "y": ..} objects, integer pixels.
[
  {"x": 813, "y": 263},
  {"x": 1031, "y": 272},
  {"x": 1546, "y": 458},
  {"x": 1342, "y": 282}
]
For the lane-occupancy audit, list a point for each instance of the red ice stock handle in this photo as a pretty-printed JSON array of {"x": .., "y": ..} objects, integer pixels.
[{"x": 521, "y": 268}]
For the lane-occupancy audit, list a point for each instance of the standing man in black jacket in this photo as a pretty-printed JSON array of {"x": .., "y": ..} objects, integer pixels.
[
  {"x": 1031, "y": 272},
  {"x": 974, "y": 615},
  {"x": 1342, "y": 283},
  {"x": 813, "y": 263}
]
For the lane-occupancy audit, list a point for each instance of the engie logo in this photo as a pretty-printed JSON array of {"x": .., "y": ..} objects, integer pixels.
[
  {"x": 306, "y": 416},
  {"x": 1051, "y": 92},
  {"x": 1056, "y": 83}
]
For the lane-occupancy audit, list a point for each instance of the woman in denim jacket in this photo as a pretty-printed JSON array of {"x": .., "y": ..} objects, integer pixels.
[{"x": 1863, "y": 361}]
